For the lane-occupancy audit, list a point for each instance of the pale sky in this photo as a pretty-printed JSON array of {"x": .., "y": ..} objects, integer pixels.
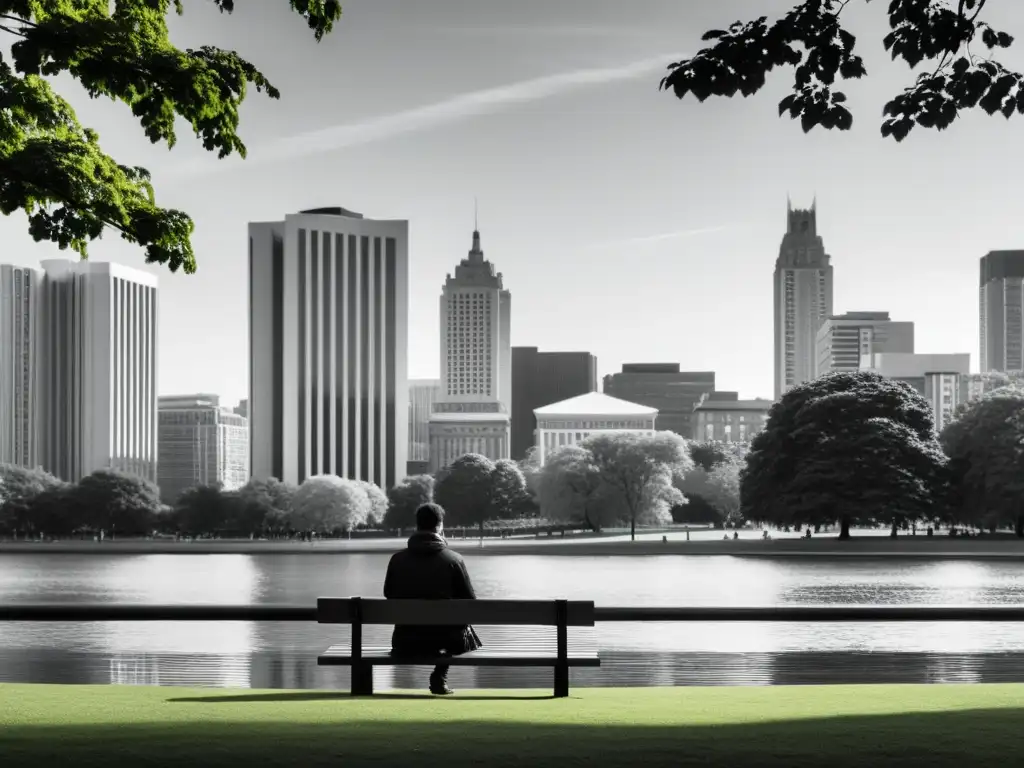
[{"x": 627, "y": 223}]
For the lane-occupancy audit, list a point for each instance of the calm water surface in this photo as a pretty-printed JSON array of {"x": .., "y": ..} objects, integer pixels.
[{"x": 283, "y": 655}]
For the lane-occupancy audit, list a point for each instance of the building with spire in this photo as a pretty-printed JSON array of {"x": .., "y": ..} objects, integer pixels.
[
  {"x": 803, "y": 298},
  {"x": 473, "y": 409}
]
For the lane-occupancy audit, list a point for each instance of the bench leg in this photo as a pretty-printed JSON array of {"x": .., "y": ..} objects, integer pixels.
[
  {"x": 561, "y": 681},
  {"x": 362, "y": 680}
]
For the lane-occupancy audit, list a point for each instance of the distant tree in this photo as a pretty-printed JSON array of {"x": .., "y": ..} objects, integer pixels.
[
  {"x": 927, "y": 35},
  {"x": 717, "y": 490},
  {"x": 985, "y": 445},
  {"x": 706, "y": 454},
  {"x": 377, "y": 502},
  {"x": 55, "y": 170},
  {"x": 116, "y": 502},
  {"x": 509, "y": 496},
  {"x": 18, "y": 488},
  {"x": 269, "y": 500},
  {"x": 328, "y": 503},
  {"x": 852, "y": 448},
  {"x": 568, "y": 487},
  {"x": 639, "y": 468},
  {"x": 531, "y": 468},
  {"x": 405, "y": 497},
  {"x": 204, "y": 509},
  {"x": 724, "y": 490},
  {"x": 53, "y": 512},
  {"x": 463, "y": 488}
]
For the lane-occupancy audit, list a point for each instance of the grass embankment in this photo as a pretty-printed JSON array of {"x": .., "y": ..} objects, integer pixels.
[{"x": 793, "y": 726}]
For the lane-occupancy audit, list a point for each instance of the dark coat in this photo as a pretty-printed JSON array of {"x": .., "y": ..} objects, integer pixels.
[{"x": 428, "y": 570}]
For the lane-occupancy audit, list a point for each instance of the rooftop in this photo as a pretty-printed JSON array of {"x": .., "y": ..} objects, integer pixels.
[
  {"x": 735, "y": 405},
  {"x": 595, "y": 404}
]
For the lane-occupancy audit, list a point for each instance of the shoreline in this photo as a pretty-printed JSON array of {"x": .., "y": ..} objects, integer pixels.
[{"x": 909, "y": 547}]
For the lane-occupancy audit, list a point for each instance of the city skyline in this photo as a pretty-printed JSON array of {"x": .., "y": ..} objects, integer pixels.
[{"x": 698, "y": 226}]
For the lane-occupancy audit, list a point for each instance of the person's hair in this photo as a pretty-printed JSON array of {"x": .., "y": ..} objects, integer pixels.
[{"x": 429, "y": 517}]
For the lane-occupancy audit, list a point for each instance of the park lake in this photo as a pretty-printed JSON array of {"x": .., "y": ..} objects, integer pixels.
[{"x": 268, "y": 655}]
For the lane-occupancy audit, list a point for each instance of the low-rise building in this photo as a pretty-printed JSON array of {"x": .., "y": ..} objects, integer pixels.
[
  {"x": 941, "y": 379},
  {"x": 200, "y": 443},
  {"x": 729, "y": 421},
  {"x": 574, "y": 420}
]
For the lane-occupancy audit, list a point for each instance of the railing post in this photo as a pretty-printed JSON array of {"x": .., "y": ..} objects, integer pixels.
[
  {"x": 362, "y": 673},
  {"x": 562, "y": 638}
]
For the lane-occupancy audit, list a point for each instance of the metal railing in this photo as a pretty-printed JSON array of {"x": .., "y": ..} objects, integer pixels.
[{"x": 72, "y": 612}]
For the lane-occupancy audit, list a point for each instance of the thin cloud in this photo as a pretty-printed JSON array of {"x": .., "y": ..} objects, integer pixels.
[
  {"x": 526, "y": 31},
  {"x": 445, "y": 112},
  {"x": 648, "y": 239}
]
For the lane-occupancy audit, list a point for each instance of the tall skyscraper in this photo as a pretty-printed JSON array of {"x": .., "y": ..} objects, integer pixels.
[
  {"x": 803, "y": 298},
  {"x": 663, "y": 386},
  {"x": 472, "y": 414},
  {"x": 540, "y": 379},
  {"x": 328, "y": 321},
  {"x": 1001, "y": 311},
  {"x": 97, "y": 369},
  {"x": 200, "y": 443},
  {"x": 843, "y": 339},
  {"x": 423, "y": 393},
  {"x": 21, "y": 329}
]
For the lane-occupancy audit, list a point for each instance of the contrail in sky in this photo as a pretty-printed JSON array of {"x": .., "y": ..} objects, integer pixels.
[
  {"x": 450, "y": 110},
  {"x": 647, "y": 239}
]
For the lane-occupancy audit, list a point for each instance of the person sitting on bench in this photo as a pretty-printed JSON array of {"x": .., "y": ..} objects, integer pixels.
[{"x": 428, "y": 570}]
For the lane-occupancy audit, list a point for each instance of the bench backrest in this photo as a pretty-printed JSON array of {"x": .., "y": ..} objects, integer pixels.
[{"x": 376, "y": 610}]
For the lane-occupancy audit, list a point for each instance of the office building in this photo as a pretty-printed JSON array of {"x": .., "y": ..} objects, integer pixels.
[
  {"x": 662, "y": 386},
  {"x": 328, "y": 318},
  {"x": 843, "y": 339},
  {"x": 423, "y": 393},
  {"x": 21, "y": 334},
  {"x": 574, "y": 420},
  {"x": 942, "y": 379},
  {"x": 242, "y": 409},
  {"x": 803, "y": 298},
  {"x": 472, "y": 414},
  {"x": 200, "y": 443},
  {"x": 98, "y": 369},
  {"x": 542, "y": 378},
  {"x": 730, "y": 420},
  {"x": 1001, "y": 311}
]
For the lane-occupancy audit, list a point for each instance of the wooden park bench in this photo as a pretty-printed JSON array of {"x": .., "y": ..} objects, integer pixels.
[{"x": 359, "y": 611}]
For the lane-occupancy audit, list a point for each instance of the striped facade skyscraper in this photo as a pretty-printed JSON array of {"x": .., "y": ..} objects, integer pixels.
[
  {"x": 88, "y": 361},
  {"x": 328, "y": 316}
]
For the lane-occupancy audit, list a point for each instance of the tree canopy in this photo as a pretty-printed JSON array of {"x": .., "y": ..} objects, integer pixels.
[
  {"x": 464, "y": 489},
  {"x": 115, "y": 502},
  {"x": 325, "y": 503},
  {"x": 638, "y": 470},
  {"x": 929, "y": 34},
  {"x": 985, "y": 445},
  {"x": 54, "y": 169},
  {"x": 405, "y": 497},
  {"x": 848, "y": 448}
]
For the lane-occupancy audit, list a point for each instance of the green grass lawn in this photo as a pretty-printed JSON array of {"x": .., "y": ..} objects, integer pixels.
[{"x": 835, "y": 726}]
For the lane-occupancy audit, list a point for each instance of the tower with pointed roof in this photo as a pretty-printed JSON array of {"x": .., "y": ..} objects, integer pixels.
[
  {"x": 803, "y": 297},
  {"x": 473, "y": 411}
]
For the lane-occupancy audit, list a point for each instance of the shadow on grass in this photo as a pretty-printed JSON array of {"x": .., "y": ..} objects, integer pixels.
[
  {"x": 975, "y": 738},
  {"x": 339, "y": 695}
]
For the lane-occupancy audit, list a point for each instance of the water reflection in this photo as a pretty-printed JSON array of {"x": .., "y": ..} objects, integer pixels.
[{"x": 283, "y": 655}]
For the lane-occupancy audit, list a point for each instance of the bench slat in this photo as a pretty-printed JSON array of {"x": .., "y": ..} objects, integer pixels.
[
  {"x": 375, "y": 610},
  {"x": 341, "y": 655}
]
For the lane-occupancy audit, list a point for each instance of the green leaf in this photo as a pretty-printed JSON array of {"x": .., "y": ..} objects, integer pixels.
[{"x": 54, "y": 169}]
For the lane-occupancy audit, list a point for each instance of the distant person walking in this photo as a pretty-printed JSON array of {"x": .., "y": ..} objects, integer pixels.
[{"x": 428, "y": 570}]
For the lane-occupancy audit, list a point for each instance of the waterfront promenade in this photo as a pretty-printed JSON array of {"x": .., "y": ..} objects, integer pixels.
[
  {"x": 938, "y": 726},
  {"x": 701, "y": 542}
]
